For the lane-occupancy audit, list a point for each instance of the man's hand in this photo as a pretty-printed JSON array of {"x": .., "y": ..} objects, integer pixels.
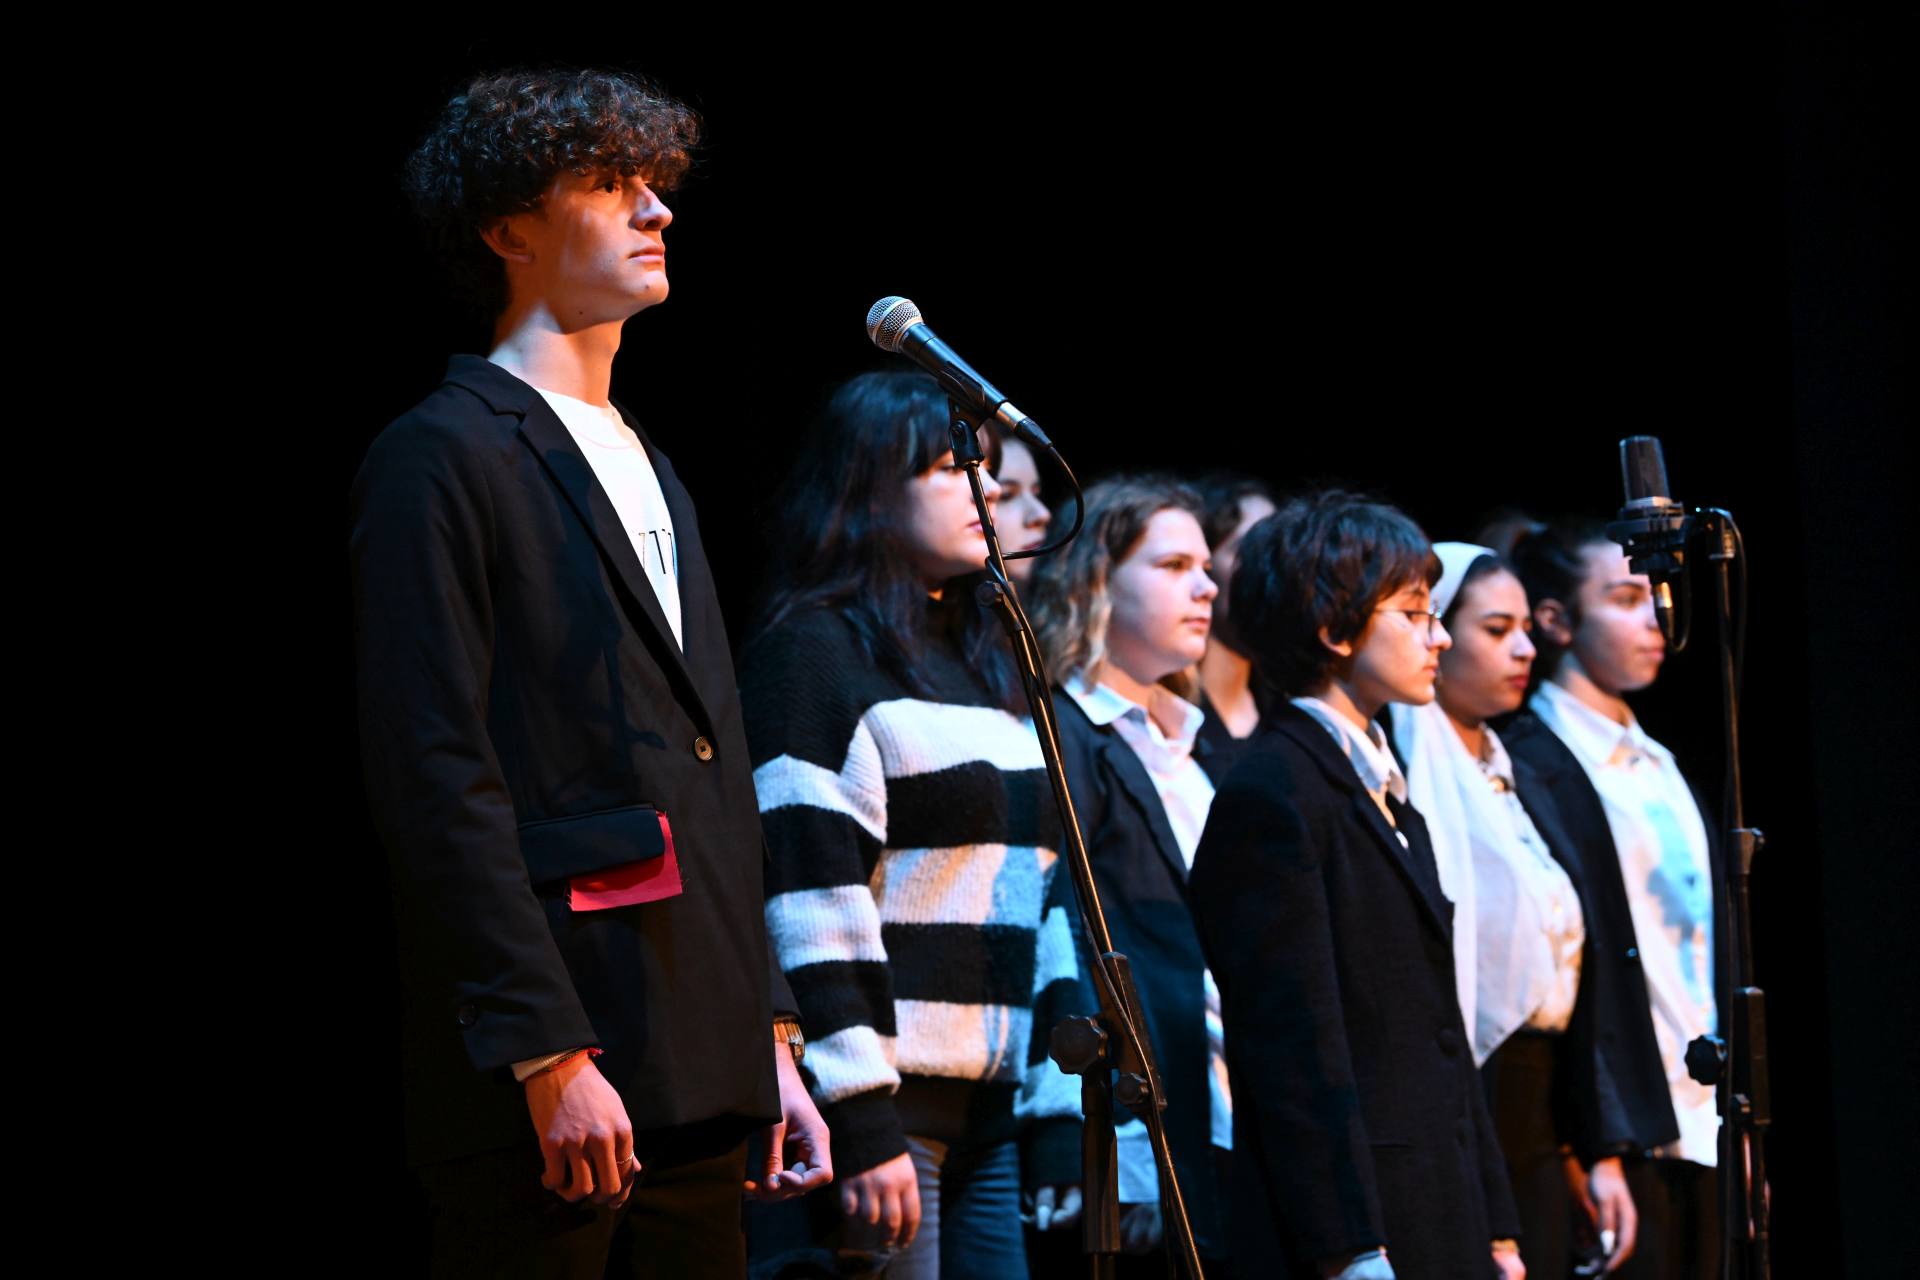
[
  {"x": 1603, "y": 1196},
  {"x": 1140, "y": 1226},
  {"x": 1056, "y": 1207},
  {"x": 1506, "y": 1259},
  {"x": 585, "y": 1138},
  {"x": 800, "y": 1126},
  {"x": 888, "y": 1195}
]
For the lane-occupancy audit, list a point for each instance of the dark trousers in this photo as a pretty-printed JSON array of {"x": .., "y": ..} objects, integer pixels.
[
  {"x": 1519, "y": 1084},
  {"x": 1679, "y": 1208},
  {"x": 492, "y": 1218}
]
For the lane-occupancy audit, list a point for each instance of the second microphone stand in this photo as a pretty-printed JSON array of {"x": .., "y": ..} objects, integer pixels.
[
  {"x": 1735, "y": 1061},
  {"x": 1114, "y": 1040}
]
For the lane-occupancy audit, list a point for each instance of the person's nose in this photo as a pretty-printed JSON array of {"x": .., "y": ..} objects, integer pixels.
[
  {"x": 1523, "y": 646},
  {"x": 650, "y": 211},
  {"x": 989, "y": 486},
  {"x": 1206, "y": 588},
  {"x": 1438, "y": 636}
]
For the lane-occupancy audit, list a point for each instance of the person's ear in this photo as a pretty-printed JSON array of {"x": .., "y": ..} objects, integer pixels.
[
  {"x": 1344, "y": 648},
  {"x": 1552, "y": 620},
  {"x": 503, "y": 236}
]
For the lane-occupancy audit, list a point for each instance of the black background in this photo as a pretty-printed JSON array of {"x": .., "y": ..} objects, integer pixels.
[{"x": 1448, "y": 263}]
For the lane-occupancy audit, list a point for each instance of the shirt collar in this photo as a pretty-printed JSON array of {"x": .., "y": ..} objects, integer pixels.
[
  {"x": 1593, "y": 737},
  {"x": 1495, "y": 762},
  {"x": 1379, "y": 771},
  {"x": 1104, "y": 704}
]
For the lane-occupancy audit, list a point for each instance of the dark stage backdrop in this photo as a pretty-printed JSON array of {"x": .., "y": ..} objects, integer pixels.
[{"x": 1451, "y": 265}]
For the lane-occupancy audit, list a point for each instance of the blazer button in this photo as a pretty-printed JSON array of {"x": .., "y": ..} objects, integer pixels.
[
  {"x": 1449, "y": 1041},
  {"x": 702, "y": 749},
  {"x": 1633, "y": 953},
  {"x": 466, "y": 1015}
]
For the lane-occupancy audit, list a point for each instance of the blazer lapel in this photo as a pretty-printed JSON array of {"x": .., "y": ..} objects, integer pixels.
[
  {"x": 1414, "y": 860},
  {"x": 703, "y": 636},
  {"x": 1536, "y": 797},
  {"x": 1126, "y": 769},
  {"x": 555, "y": 447}
]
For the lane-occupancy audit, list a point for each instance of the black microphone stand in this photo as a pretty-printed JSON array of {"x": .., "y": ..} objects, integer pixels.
[
  {"x": 1116, "y": 1038},
  {"x": 1735, "y": 1063}
]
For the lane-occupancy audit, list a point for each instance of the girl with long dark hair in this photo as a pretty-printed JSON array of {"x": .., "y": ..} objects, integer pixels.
[
  {"x": 1655, "y": 862},
  {"x": 914, "y": 897}
]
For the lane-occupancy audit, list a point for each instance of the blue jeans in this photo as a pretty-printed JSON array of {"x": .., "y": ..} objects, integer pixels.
[{"x": 969, "y": 1216}]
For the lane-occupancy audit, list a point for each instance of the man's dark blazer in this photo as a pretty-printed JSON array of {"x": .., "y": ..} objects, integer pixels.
[
  {"x": 1142, "y": 880},
  {"x": 525, "y": 716},
  {"x": 1627, "y": 1105},
  {"x": 1358, "y": 1116}
]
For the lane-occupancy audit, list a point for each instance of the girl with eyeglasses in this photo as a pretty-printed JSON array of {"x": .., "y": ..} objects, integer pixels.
[{"x": 1362, "y": 1146}]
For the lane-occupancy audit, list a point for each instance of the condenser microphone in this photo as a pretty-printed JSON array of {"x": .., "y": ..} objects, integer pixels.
[
  {"x": 895, "y": 325},
  {"x": 1652, "y": 526}
]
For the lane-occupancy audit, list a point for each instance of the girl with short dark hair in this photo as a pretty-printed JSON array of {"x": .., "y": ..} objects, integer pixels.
[{"x": 1362, "y": 1145}]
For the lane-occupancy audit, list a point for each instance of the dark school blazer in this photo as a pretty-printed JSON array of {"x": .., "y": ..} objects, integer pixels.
[
  {"x": 1629, "y": 1107},
  {"x": 526, "y": 717},
  {"x": 1143, "y": 890},
  {"x": 1358, "y": 1115}
]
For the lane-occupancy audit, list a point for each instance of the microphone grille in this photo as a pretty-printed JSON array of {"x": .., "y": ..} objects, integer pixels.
[{"x": 888, "y": 321}]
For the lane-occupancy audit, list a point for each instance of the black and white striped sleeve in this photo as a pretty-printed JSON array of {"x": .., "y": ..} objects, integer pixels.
[{"x": 823, "y": 804}]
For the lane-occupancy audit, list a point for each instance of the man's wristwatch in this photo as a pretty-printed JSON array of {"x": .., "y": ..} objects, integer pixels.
[{"x": 788, "y": 1029}]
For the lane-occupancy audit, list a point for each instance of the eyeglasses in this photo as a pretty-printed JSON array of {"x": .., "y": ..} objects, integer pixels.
[{"x": 1421, "y": 619}]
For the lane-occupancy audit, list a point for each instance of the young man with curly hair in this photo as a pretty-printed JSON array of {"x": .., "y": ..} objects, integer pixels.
[{"x": 552, "y": 740}]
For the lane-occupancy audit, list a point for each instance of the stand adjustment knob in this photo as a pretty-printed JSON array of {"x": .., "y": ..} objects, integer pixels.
[
  {"x": 1077, "y": 1045},
  {"x": 1707, "y": 1059}
]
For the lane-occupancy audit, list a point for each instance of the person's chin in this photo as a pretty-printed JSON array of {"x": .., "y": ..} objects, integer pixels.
[{"x": 1640, "y": 677}]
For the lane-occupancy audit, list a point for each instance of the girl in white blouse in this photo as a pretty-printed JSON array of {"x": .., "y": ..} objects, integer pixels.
[{"x": 1519, "y": 930}]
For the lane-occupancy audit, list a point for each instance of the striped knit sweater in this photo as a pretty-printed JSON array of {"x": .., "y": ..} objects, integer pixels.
[{"x": 913, "y": 900}]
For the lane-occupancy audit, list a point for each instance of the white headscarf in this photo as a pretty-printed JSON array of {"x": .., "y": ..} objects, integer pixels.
[
  {"x": 1489, "y": 856},
  {"x": 1433, "y": 754}
]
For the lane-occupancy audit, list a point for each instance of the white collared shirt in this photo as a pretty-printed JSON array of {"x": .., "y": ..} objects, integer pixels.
[
  {"x": 1527, "y": 885},
  {"x": 1379, "y": 772},
  {"x": 1186, "y": 793},
  {"x": 1518, "y": 929},
  {"x": 1661, "y": 839}
]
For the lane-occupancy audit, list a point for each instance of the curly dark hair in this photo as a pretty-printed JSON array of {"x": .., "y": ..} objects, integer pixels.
[
  {"x": 499, "y": 144},
  {"x": 1324, "y": 560}
]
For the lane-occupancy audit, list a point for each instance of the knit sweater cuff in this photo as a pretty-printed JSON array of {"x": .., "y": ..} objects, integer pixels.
[
  {"x": 864, "y": 1132},
  {"x": 1050, "y": 1155}
]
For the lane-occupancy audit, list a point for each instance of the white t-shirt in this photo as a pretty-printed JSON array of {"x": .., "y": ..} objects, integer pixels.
[{"x": 621, "y": 465}]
